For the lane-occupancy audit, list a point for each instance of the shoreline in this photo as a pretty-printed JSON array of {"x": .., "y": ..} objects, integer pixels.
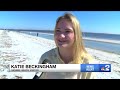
[
  {"x": 104, "y": 51},
  {"x": 52, "y": 41},
  {"x": 103, "y": 40},
  {"x": 19, "y": 48},
  {"x": 95, "y": 39}
]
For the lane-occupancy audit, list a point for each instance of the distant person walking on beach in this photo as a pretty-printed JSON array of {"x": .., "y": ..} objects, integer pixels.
[
  {"x": 69, "y": 49},
  {"x": 37, "y": 33}
]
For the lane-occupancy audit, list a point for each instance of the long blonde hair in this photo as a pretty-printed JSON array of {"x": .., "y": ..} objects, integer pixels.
[{"x": 80, "y": 53}]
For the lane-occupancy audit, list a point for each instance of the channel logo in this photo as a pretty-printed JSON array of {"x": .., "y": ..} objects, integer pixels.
[{"x": 105, "y": 67}]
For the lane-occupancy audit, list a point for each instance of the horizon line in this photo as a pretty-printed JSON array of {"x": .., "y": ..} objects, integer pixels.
[{"x": 44, "y": 30}]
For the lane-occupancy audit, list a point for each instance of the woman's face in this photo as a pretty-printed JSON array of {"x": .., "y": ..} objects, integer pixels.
[{"x": 64, "y": 35}]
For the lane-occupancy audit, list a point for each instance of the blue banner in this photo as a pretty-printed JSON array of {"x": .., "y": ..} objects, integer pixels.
[{"x": 95, "y": 67}]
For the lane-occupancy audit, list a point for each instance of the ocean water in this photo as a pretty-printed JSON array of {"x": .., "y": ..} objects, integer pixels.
[
  {"x": 102, "y": 36},
  {"x": 108, "y": 47}
]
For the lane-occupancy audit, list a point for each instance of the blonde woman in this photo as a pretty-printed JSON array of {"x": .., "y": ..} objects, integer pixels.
[{"x": 69, "y": 49}]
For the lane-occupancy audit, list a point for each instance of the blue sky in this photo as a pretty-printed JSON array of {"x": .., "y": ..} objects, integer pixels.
[{"x": 90, "y": 21}]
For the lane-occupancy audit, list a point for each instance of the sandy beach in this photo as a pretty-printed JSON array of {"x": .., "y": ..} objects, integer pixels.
[{"x": 19, "y": 48}]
